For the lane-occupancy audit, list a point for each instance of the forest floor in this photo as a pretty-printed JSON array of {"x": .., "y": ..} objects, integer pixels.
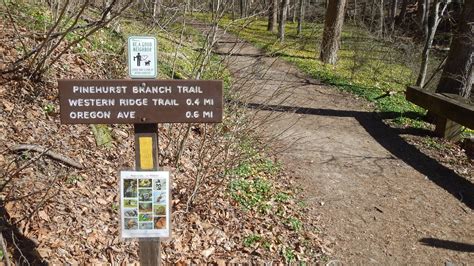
[{"x": 380, "y": 198}]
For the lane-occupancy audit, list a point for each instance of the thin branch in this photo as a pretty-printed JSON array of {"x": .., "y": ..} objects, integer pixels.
[
  {"x": 46, "y": 56},
  {"x": 63, "y": 10},
  {"x": 32, "y": 160},
  {"x": 46, "y": 151},
  {"x": 14, "y": 26},
  {"x": 99, "y": 26},
  {"x": 5, "y": 251},
  {"x": 19, "y": 250}
]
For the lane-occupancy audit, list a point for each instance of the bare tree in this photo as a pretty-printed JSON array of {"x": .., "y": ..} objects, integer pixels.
[
  {"x": 381, "y": 18},
  {"x": 156, "y": 8},
  {"x": 272, "y": 15},
  {"x": 434, "y": 20},
  {"x": 332, "y": 31},
  {"x": 300, "y": 16},
  {"x": 423, "y": 14},
  {"x": 52, "y": 45},
  {"x": 393, "y": 13},
  {"x": 458, "y": 71},
  {"x": 283, "y": 16}
]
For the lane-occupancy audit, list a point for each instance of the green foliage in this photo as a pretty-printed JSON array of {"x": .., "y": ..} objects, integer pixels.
[
  {"x": 34, "y": 15},
  {"x": 433, "y": 143},
  {"x": 25, "y": 156},
  {"x": 103, "y": 136},
  {"x": 282, "y": 197},
  {"x": 49, "y": 108},
  {"x": 251, "y": 239},
  {"x": 250, "y": 194},
  {"x": 289, "y": 255},
  {"x": 115, "y": 207},
  {"x": 295, "y": 224},
  {"x": 74, "y": 179},
  {"x": 254, "y": 163}
]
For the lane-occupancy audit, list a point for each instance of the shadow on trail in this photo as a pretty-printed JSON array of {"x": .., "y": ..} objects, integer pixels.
[
  {"x": 456, "y": 185},
  {"x": 24, "y": 249},
  {"x": 447, "y": 244}
]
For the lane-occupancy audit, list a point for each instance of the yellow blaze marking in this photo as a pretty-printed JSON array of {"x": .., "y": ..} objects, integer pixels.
[{"x": 146, "y": 153}]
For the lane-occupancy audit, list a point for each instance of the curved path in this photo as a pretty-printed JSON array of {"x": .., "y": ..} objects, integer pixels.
[{"x": 378, "y": 198}]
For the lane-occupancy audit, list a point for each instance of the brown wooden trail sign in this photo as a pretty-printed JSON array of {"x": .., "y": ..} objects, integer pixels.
[
  {"x": 140, "y": 101},
  {"x": 144, "y": 103}
]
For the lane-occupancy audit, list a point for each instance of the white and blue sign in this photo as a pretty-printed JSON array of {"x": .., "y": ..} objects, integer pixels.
[{"x": 142, "y": 61}]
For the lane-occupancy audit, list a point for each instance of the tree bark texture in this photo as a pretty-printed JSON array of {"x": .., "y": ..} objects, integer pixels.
[
  {"x": 273, "y": 15},
  {"x": 393, "y": 14},
  {"x": 381, "y": 18},
  {"x": 295, "y": 9},
  {"x": 156, "y": 8},
  {"x": 423, "y": 13},
  {"x": 300, "y": 16},
  {"x": 283, "y": 16},
  {"x": 332, "y": 31},
  {"x": 458, "y": 71},
  {"x": 355, "y": 11}
]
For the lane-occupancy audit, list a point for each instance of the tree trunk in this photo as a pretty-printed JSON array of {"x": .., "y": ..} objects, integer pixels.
[
  {"x": 106, "y": 4},
  {"x": 393, "y": 14},
  {"x": 381, "y": 19},
  {"x": 423, "y": 13},
  {"x": 433, "y": 22},
  {"x": 283, "y": 16},
  {"x": 293, "y": 18},
  {"x": 273, "y": 15},
  {"x": 242, "y": 8},
  {"x": 156, "y": 8},
  {"x": 363, "y": 12},
  {"x": 457, "y": 74},
  {"x": 233, "y": 9},
  {"x": 355, "y": 12},
  {"x": 332, "y": 31},
  {"x": 403, "y": 12},
  {"x": 300, "y": 16},
  {"x": 246, "y": 10},
  {"x": 372, "y": 15}
]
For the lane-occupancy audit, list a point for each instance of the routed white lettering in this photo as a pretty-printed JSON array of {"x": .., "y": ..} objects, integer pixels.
[
  {"x": 133, "y": 102},
  {"x": 165, "y": 102},
  {"x": 152, "y": 89},
  {"x": 130, "y": 114},
  {"x": 89, "y": 115},
  {"x": 91, "y": 102},
  {"x": 189, "y": 89}
]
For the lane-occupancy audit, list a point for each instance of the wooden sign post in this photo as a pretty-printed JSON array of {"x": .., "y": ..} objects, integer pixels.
[
  {"x": 143, "y": 103},
  {"x": 146, "y": 158}
]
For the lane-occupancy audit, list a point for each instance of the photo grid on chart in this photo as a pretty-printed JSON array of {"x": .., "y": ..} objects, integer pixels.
[{"x": 145, "y": 206}]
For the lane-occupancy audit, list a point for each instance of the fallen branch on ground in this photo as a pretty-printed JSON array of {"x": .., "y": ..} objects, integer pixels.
[{"x": 54, "y": 155}]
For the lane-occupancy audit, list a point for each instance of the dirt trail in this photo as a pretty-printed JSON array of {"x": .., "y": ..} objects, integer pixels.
[{"x": 378, "y": 198}]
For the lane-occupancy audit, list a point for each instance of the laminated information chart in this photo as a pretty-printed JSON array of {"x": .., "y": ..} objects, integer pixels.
[{"x": 145, "y": 204}]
